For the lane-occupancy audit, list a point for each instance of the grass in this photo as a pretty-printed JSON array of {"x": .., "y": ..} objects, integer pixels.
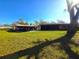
[{"x": 11, "y": 42}]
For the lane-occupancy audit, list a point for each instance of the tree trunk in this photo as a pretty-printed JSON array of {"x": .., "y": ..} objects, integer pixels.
[{"x": 73, "y": 19}]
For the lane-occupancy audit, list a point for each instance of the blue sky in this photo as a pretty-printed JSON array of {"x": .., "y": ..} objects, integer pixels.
[{"x": 31, "y": 10}]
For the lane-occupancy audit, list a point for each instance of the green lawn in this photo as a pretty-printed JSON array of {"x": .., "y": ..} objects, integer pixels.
[{"x": 11, "y": 42}]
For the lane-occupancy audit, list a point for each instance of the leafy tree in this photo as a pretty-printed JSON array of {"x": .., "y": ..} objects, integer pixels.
[
  {"x": 41, "y": 22},
  {"x": 6, "y": 24},
  {"x": 61, "y": 22},
  {"x": 53, "y": 22},
  {"x": 36, "y": 22},
  {"x": 22, "y": 22}
]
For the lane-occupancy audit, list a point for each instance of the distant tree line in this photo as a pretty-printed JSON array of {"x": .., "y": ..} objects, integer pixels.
[{"x": 23, "y": 22}]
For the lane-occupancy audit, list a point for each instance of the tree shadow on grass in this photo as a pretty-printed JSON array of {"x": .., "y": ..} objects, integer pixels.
[{"x": 36, "y": 50}]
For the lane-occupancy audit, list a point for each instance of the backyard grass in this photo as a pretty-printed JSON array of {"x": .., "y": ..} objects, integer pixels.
[{"x": 11, "y": 42}]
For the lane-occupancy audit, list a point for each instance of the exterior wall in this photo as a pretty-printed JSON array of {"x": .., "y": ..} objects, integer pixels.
[{"x": 54, "y": 27}]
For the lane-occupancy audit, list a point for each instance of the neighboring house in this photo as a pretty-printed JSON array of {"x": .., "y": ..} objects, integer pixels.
[{"x": 19, "y": 27}]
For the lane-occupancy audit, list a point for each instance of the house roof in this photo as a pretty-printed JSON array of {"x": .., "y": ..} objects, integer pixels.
[
  {"x": 23, "y": 25},
  {"x": 54, "y": 24}
]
